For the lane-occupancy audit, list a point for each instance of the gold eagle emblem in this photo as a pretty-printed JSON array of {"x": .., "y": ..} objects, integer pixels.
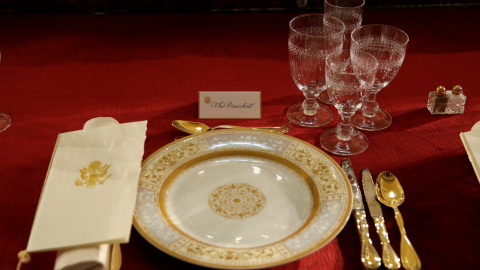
[{"x": 96, "y": 173}]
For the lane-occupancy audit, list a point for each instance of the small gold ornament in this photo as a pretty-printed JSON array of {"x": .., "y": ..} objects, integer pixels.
[{"x": 207, "y": 99}]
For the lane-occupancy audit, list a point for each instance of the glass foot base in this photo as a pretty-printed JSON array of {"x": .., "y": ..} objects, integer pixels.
[
  {"x": 5, "y": 121},
  {"x": 325, "y": 98},
  {"x": 296, "y": 115},
  {"x": 356, "y": 145},
  {"x": 381, "y": 120}
]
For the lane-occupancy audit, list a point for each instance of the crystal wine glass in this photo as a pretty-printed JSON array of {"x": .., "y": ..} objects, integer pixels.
[
  {"x": 311, "y": 38},
  {"x": 5, "y": 120},
  {"x": 389, "y": 45},
  {"x": 350, "y": 12},
  {"x": 349, "y": 77}
]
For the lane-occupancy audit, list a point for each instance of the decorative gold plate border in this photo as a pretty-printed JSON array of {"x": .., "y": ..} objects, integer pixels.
[{"x": 331, "y": 192}]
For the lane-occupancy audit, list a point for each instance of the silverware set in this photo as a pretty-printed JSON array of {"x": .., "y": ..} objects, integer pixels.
[{"x": 389, "y": 192}]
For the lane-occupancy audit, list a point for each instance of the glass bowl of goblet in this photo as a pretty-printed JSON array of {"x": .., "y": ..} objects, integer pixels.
[
  {"x": 350, "y": 12},
  {"x": 5, "y": 120},
  {"x": 349, "y": 78},
  {"x": 311, "y": 39},
  {"x": 389, "y": 45}
]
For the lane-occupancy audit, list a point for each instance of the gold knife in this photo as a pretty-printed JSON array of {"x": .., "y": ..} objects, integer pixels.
[
  {"x": 368, "y": 254},
  {"x": 389, "y": 257}
]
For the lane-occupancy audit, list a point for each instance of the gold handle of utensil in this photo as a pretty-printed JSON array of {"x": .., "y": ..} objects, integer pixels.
[
  {"x": 368, "y": 253},
  {"x": 239, "y": 127},
  {"x": 389, "y": 257},
  {"x": 410, "y": 259},
  {"x": 116, "y": 257}
]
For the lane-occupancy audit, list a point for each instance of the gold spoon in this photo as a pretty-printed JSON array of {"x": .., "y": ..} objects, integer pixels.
[
  {"x": 390, "y": 193},
  {"x": 196, "y": 127},
  {"x": 116, "y": 257}
]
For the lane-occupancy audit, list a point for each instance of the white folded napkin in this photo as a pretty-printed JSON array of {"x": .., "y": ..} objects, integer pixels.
[
  {"x": 471, "y": 142},
  {"x": 88, "y": 197},
  {"x": 100, "y": 122},
  {"x": 89, "y": 194},
  {"x": 89, "y": 258}
]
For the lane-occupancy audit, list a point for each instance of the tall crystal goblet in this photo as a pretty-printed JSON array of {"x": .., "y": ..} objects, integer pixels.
[
  {"x": 311, "y": 39},
  {"x": 5, "y": 120},
  {"x": 349, "y": 77},
  {"x": 389, "y": 45},
  {"x": 350, "y": 12}
]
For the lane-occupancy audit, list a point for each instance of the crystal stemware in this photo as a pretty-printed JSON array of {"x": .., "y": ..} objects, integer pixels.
[
  {"x": 389, "y": 45},
  {"x": 311, "y": 38},
  {"x": 5, "y": 120},
  {"x": 349, "y": 77},
  {"x": 350, "y": 12}
]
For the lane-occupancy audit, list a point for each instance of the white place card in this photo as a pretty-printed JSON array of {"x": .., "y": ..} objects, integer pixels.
[{"x": 229, "y": 105}]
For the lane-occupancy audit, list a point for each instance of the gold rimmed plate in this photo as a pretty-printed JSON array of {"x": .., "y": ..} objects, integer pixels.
[{"x": 241, "y": 199}]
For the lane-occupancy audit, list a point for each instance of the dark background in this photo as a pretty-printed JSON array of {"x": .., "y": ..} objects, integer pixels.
[{"x": 149, "y": 6}]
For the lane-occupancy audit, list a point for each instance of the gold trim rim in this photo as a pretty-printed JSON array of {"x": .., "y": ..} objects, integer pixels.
[{"x": 340, "y": 222}]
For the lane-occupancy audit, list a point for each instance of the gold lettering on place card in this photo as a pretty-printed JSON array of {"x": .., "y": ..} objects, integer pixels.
[
  {"x": 229, "y": 105},
  {"x": 96, "y": 173}
]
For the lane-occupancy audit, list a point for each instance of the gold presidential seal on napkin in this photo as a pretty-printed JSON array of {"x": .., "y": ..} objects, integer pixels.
[{"x": 93, "y": 175}]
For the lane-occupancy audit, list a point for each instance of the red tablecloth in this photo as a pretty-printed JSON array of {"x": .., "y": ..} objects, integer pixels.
[{"x": 58, "y": 71}]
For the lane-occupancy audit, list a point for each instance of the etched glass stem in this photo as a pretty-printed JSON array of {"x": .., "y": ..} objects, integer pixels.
[
  {"x": 370, "y": 105},
  {"x": 310, "y": 104},
  {"x": 345, "y": 127}
]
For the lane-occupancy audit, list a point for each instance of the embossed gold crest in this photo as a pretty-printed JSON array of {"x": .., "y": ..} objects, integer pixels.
[
  {"x": 207, "y": 99},
  {"x": 236, "y": 201},
  {"x": 96, "y": 173}
]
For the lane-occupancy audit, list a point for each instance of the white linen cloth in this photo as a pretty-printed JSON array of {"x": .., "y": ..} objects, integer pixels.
[
  {"x": 89, "y": 194},
  {"x": 89, "y": 258},
  {"x": 471, "y": 142}
]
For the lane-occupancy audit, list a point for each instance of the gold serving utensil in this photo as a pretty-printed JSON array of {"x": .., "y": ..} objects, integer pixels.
[
  {"x": 197, "y": 127},
  {"x": 116, "y": 257},
  {"x": 285, "y": 128},
  {"x": 390, "y": 193}
]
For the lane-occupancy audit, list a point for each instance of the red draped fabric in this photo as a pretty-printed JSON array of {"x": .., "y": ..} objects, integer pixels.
[{"x": 58, "y": 71}]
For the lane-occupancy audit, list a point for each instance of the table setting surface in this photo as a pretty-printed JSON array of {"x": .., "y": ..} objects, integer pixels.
[{"x": 57, "y": 71}]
